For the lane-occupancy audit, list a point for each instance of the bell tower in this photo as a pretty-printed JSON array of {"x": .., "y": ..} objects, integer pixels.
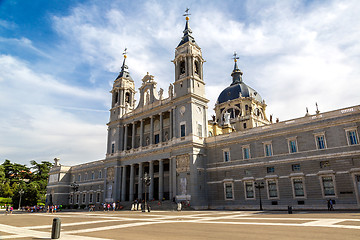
[
  {"x": 123, "y": 93},
  {"x": 188, "y": 65}
]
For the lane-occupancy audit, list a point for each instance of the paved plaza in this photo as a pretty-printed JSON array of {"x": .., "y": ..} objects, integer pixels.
[{"x": 183, "y": 225}]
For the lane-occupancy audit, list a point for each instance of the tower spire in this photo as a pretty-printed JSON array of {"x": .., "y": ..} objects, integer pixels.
[
  {"x": 187, "y": 31},
  {"x": 124, "y": 72},
  {"x": 236, "y": 73}
]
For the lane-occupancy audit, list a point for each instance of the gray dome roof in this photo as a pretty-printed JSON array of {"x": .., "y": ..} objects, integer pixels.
[{"x": 236, "y": 88}]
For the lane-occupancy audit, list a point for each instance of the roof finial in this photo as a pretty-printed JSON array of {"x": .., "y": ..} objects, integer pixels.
[
  {"x": 235, "y": 57},
  {"x": 187, "y": 14},
  {"x": 317, "y": 109},
  {"x": 125, "y": 52}
]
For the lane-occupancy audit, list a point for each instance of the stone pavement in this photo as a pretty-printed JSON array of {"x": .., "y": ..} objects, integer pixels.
[{"x": 183, "y": 225}]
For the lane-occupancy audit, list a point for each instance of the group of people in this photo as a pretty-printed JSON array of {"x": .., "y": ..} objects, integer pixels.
[
  {"x": 8, "y": 209},
  {"x": 111, "y": 206},
  {"x": 139, "y": 204}
]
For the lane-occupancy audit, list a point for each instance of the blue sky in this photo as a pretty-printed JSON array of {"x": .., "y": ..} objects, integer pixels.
[{"x": 58, "y": 60}]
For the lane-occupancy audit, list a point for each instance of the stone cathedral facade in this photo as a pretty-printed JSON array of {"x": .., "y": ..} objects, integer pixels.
[{"x": 228, "y": 162}]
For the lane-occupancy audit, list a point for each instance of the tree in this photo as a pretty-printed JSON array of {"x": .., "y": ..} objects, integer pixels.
[
  {"x": 5, "y": 190},
  {"x": 14, "y": 177}
]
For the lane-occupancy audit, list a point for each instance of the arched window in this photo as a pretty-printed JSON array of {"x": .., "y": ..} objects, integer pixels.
[
  {"x": 182, "y": 67},
  {"x": 127, "y": 97},
  {"x": 116, "y": 97},
  {"x": 196, "y": 67}
]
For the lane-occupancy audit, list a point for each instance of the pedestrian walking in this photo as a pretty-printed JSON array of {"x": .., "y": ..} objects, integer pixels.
[{"x": 331, "y": 205}]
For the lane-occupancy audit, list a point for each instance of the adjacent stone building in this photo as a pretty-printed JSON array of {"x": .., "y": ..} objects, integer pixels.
[{"x": 237, "y": 160}]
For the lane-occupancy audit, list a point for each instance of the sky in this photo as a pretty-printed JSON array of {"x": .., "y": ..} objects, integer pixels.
[{"x": 58, "y": 61}]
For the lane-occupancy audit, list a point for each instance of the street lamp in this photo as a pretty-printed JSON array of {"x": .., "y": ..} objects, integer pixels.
[
  {"x": 146, "y": 179},
  {"x": 21, "y": 192},
  {"x": 259, "y": 186},
  {"x": 75, "y": 186}
]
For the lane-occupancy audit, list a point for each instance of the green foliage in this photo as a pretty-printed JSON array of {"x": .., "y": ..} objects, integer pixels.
[
  {"x": 6, "y": 190},
  {"x": 4, "y": 201},
  {"x": 18, "y": 177}
]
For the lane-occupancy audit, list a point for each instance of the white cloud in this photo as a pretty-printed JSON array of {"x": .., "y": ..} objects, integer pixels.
[
  {"x": 293, "y": 53},
  {"x": 33, "y": 125}
]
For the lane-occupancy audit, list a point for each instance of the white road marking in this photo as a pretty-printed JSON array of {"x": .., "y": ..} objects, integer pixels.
[{"x": 137, "y": 219}]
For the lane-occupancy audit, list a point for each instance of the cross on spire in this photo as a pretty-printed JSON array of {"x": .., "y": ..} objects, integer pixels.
[
  {"x": 187, "y": 14},
  {"x": 235, "y": 57},
  {"x": 125, "y": 52}
]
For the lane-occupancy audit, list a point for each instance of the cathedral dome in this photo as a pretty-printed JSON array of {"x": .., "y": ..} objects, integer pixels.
[{"x": 237, "y": 89}]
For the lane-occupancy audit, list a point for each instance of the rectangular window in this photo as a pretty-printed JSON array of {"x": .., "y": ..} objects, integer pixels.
[
  {"x": 71, "y": 198},
  {"x": 79, "y": 178},
  {"x": 77, "y": 199},
  {"x": 92, "y": 176},
  {"x": 272, "y": 188},
  {"x": 320, "y": 142},
  {"x": 246, "y": 152},
  {"x": 90, "y": 198},
  {"x": 270, "y": 169},
  {"x": 84, "y": 198},
  {"x": 352, "y": 137},
  {"x": 298, "y": 187},
  {"x": 157, "y": 138},
  {"x": 226, "y": 153},
  {"x": 328, "y": 186},
  {"x": 295, "y": 167},
  {"x": 182, "y": 130},
  {"x": 100, "y": 174},
  {"x": 199, "y": 130},
  {"x": 97, "y": 197},
  {"x": 249, "y": 190},
  {"x": 268, "y": 149},
  {"x": 228, "y": 191},
  {"x": 292, "y": 145},
  {"x": 85, "y": 176}
]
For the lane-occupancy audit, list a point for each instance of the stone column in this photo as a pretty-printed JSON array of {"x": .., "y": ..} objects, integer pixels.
[
  {"x": 105, "y": 186},
  {"x": 123, "y": 184},
  {"x": 174, "y": 123},
  {"x": 161, "y": 128},
  {"x": 161, "y": 179},
  {"x": 141, "y": 132},
  {"x": 171, "y": 128},
  {"x": 109, "y": 140},
  {"x": 133, "y": 136},
  {"x": 174, "y": 178},
  {"x": 151, "y": 187},
  {"x": 119, "y": 181},
  {"x": 119, "y": 141},
  {"x": 140, "y": 181},
  {"x": 116, "y": 189},
  {"x": 125, "y": 136},
  {"x": 132, "y": 176},
  {"x": 170, "y": 180},
  {"x": 151, "y": 129}
]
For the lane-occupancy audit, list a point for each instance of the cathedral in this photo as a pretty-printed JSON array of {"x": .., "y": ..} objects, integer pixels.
[{"x": 239, "y": 159}]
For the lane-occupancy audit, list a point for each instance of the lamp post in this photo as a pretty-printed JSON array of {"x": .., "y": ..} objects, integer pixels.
[
  {"x": 21, "y": 192},
  {"x": 75, "y": 186},
  {"x": 146, "y": 179},
  {"x": 259, "y": 186}
]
